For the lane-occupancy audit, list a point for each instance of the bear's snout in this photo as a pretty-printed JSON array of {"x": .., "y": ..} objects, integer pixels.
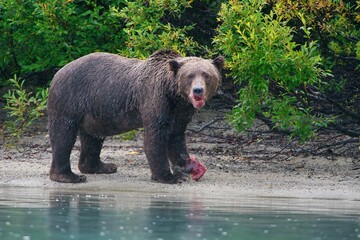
[
  {"x": 197, "y": 96},
  {"x": 198, "y": 91}
]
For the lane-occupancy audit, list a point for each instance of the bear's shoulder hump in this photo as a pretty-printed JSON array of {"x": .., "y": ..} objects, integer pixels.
[{"x": 165, "y": 54}]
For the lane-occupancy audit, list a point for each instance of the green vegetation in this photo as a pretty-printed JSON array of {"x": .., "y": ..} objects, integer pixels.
[
  {"x": 294, "y": 64},
  {"x": 24, "y": 107},
  {"x": 272, "y": 69},
  {"x": 130, "y": 135},
  {"x": 148, "y": 30},
  {"x": 45, "y": 34}
]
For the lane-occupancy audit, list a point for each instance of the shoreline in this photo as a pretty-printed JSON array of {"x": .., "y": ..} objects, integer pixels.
[
  {"x": 33, "y": 174},
  {"x": 234, "y": 169}
]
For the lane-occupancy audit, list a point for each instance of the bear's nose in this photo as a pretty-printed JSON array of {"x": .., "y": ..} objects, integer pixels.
[{"x": 198, "y": 91}]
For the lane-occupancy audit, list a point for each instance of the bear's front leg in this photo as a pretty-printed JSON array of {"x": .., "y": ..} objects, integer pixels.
[
  {"x": 155, "y": 146},
  {"x": 176, "y": 150},
  {"x": 178, "y": 154}
]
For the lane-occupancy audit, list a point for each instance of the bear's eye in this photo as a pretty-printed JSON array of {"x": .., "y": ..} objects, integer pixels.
[
  {"x": 191, "y": 76},
  {"x": 205, "y": 76}
]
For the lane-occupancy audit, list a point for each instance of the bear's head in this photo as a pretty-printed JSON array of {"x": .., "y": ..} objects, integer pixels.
[{"x": 197, "y": 78}]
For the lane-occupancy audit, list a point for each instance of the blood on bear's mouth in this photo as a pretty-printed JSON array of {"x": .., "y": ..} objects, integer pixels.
[
  {"x": 197, "y": 101},
  {"x": 197, "y": 98}
]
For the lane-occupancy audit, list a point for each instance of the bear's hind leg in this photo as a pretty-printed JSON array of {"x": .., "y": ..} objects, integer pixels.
[
  {"x": 90, "y": 155},
  {"x": 62, "y": 139}
]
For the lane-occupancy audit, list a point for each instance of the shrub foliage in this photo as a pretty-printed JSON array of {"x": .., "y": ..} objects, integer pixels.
[
  {"x": 295, "y": 64},
  {"x": 273, "y": 70}
]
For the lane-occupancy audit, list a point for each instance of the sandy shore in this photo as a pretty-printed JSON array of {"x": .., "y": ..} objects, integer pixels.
[
  {"x": 30, "y": 169},
  {"x": 230, "y": 172}
]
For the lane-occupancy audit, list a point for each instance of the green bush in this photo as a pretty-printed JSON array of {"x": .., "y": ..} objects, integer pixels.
[
  {"x": 38, "y": 35},
  {"x": 48, "y": 34},
  {"x": 335, "y": 24},
  {"x": 272, "y": 70},
  {"x": 24, "y": 107},
  {"x": 276, "y": 50},
  {"x": 148, "y": 28}
]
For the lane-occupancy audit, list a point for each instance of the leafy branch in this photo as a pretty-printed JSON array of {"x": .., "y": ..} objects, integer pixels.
[{"x": 23, "y": 107}]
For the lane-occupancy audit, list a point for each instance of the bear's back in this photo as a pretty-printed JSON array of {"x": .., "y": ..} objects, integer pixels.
[{"x": 94, "y": 67}]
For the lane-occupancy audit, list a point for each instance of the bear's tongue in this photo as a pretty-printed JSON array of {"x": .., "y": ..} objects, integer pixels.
[{"x": 198, "y": 101}]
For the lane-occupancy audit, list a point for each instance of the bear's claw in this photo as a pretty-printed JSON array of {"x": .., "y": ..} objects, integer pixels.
[
  {"x": 68, "y": 178},
  {"x": 100, "y": 168}
]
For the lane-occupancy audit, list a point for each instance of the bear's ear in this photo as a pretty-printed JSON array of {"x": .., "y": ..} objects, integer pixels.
[
  {"x": 219, "y": 62},
  {"x": 174, "y": 65}
]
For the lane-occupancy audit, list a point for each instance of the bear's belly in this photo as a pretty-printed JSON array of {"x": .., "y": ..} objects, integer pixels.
[{"x": 103, "y": 127}]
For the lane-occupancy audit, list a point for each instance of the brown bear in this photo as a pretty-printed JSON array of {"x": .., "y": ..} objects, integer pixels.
[{"x": 103, "y": 94}]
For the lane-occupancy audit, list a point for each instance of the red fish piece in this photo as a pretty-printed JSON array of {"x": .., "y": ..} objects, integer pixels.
[{"x": 198, "y": 169}]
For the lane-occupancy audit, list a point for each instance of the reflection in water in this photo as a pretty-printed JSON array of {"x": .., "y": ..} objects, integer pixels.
[
  {"x": 136, "y": 215},
  {"x": 73, "y": 215}
]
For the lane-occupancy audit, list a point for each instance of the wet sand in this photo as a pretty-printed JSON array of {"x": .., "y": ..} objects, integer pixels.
[{"x": 230, "y": 173}]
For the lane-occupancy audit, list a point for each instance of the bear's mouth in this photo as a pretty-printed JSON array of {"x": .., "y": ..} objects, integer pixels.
[{"x": 198, "y": 101}]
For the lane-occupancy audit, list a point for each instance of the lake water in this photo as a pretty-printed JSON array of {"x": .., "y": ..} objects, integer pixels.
[{"x": 45, "y": 214}]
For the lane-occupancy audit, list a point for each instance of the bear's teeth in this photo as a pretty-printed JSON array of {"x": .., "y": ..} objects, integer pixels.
[{"x": 198, "y": 98}]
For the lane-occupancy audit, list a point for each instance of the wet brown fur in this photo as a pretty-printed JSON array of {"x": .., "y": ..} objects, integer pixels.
[{"x": 104, "y": 94}]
